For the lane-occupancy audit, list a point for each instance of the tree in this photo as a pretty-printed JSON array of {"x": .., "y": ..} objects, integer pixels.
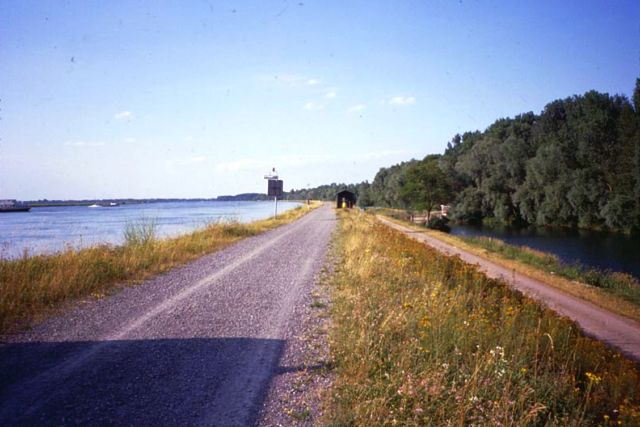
[
  {"x": 426, "y": 185},
  {"x": 636, "y": 97}
]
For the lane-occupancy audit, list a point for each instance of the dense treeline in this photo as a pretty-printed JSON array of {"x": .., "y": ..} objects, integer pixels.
[
  {"x": 576, "y": 164},
  {"x": 328, "y": 192}
]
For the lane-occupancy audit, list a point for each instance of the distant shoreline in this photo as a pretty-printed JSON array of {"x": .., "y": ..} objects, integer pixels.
[{"x": 245, "y": 197}]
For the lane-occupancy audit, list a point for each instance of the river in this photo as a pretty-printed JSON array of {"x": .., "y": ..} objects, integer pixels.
[
  {"x": 51, "y": 229},
  {"x": 597, "y": 249}
]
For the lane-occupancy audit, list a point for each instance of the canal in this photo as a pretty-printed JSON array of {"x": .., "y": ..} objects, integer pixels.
[{"x": 597, "y": 249}]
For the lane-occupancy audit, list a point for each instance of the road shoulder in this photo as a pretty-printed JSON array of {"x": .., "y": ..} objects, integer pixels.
[{"x": 295, "y": 396}]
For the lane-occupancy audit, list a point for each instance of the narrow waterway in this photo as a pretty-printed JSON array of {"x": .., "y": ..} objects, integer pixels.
[{"x": 601, "y": 250}]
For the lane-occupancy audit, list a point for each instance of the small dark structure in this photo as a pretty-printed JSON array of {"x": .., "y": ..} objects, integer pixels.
[{"x": 345, "y": 199}]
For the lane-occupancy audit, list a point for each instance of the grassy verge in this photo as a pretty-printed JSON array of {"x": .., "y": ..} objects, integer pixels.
[
  {"x": 32, "y": 285},
  {"x": 423, "y": 339},
  {"x": 616, "y": 292},
  {"x": 620, "y": 284}
]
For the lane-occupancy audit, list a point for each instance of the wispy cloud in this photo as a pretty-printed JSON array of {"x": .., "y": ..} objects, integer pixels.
[
  {"x": 312, "y": 106},
  {"x": 331, "y": 94},
  {"x": 83, "y": 144},
  {"x": 130, "y": 140},
  {"x": 313, "y": 82},
  {"x": 356, "y": 108},
  {"x": 123, "y": 115},
  {"x": 402, "y": 100}
]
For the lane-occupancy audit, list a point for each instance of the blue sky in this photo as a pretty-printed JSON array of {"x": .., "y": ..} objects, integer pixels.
[{"x": 201, "y": 98}]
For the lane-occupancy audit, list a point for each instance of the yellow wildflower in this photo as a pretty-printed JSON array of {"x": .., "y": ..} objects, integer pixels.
[{"x": 593, "y": 378}]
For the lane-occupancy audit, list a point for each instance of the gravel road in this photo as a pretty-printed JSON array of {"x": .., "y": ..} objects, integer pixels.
[
  {"x": 615, "y": 330},
  {"x": 196, "y": 346}
]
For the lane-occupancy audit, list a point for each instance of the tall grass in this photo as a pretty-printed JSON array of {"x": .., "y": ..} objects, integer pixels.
[
  {"x": 614, "y": 291},
  {"x": 423, "y": 339},
  {"x": 141, "y": 232},
  {"x": 32, "y": 285}
]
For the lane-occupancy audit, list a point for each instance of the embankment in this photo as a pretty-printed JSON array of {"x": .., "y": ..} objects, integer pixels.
[
  {"x": 32, "y": 286},
  {"x": 421, "y": 338}
]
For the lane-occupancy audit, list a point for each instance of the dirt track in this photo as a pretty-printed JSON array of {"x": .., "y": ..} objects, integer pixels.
[
  {"x": 196, "y": 346},
  {"x": 615, "y": 330}
]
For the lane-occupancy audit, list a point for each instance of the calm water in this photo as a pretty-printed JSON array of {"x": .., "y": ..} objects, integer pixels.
[
  {"x": 45, "y": 230},
  {"x": 591, "y": 248}
]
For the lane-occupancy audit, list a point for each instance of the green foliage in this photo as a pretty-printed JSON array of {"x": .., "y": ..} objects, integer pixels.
[
  {"x": 426, "y": 186},
  {"x": 141, "y": 232},
  {"x": 576, "y": 164},
  {"x": 439, "y": 223},
  {"x": 328, "y": 192}
]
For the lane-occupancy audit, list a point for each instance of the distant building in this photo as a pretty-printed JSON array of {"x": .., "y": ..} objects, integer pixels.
[
  {"x": 345, "y": 199},
  {"x": 444, "y": 210}
]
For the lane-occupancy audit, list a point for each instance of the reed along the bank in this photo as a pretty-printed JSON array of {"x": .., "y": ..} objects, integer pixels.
[
  {"x": 32, "y": 285},
  {"x": 424, "y": 339}
]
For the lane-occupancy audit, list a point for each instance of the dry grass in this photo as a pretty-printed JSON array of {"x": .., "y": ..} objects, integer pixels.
[
  {"x": 611, "y": 298},
  {"x": 33, "y": 285},
  {"x": 424, "y": 339}
]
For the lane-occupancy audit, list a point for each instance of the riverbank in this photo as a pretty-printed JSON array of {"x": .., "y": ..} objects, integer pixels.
[
  {"x": 420, "y": 338},
  {"x": 34, "y": 286},
  {"x": 199, "y": 345},
  {"x": 615, "y": 292}
]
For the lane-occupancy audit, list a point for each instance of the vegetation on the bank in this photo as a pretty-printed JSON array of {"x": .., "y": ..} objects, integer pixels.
[
  {"x": 32, "y": 284},
  {"x": 576, "y": 164},
  {"x": 614, "y": 291},
  {"x": 621, "y": 284},
  {"x": 423, "y": 339}
]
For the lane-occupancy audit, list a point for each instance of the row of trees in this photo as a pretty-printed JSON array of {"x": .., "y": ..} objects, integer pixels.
[
  {"x": 575, "y": 164},
  {"x": 328, "y": 192}
]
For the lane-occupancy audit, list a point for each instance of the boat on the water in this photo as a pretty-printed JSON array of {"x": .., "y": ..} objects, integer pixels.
[
  {"x": 104, "y": 205},
  {"x": 11, "y": 205}
]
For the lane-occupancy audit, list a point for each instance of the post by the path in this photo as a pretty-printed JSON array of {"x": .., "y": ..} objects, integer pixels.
[{"x": 274, "y": 188}]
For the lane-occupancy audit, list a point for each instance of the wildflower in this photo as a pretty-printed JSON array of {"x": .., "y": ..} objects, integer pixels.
[
  {"x": 593, "y": 378},
  {"x": 606, "y": 417},
  {"x": 523, "y": 370}
]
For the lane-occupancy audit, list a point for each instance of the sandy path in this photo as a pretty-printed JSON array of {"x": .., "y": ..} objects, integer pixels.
[
  {"x": 196, "y": 346},
  {"x": 615, "y": 330}
]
